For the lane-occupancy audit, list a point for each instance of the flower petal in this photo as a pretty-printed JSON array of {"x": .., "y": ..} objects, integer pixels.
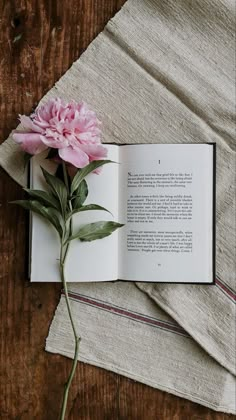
[
  {"x": 75, "y": 156},
  {"x": 30, "y": 142},
  {"x": 28, "y": 124},
  {"x": 54, "y": 139},
  {"x": 94, "y": 151}
]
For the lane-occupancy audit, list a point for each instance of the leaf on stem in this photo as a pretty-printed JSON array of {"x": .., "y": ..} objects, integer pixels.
[
  {"x": 93, "y": 231},
  {"x": 86, "y": 208},
  {"x": 58, "y": 188},
  {"x": 44, "y": 197},
  {"x": 80, "y": 195},
  {"x": 49, "y": 213},
  {"x": 78, "y": 178}
]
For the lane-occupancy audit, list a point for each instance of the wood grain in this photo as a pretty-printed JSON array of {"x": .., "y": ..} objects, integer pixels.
[{"x": 39, "y": 41}]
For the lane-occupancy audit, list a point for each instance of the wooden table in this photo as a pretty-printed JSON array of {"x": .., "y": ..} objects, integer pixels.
[{"x": 39, "y": 41}]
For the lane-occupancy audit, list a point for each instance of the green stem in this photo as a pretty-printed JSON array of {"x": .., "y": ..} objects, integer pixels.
[
  {"x": 76, "y": 337},
  {"x": 63, "y": 256},
  {"x": 69, "y": 205},
  {"x": 70, "y": 232},
  {"x": 65, "y": 177}
]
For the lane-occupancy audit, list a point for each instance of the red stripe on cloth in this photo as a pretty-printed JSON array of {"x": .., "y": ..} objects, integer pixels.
[
  {"x": 129, "y": 314},
  {"x": 229, "y": 292}
]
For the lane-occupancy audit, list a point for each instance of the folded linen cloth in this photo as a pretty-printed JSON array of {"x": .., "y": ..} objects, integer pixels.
[{"x": 161, "y": 71}]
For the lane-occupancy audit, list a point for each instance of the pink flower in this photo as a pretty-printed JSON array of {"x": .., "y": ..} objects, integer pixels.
[{"x": 72, "y": 128}]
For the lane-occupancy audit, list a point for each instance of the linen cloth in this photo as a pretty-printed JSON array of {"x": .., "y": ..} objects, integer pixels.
[{"x": 161, "y": 71}]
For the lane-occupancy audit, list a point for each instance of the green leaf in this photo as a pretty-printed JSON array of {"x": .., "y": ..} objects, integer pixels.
[
  {"x": 52, "y": 215},
  {"x": 93, "y": 231},
  {"x": 78, "y": 178},
  {"x": 60, "y": 174},
  {"x": 80, "y": 195},
  {"x": 44, "y": 197},
  {"x": 86, "y": 208},
  {"x": 58, "y": 188}
]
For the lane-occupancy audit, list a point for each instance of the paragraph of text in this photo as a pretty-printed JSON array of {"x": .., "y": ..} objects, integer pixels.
[
  {"x": 160, "y": 241},
  {"x": 159, "y": 180},
  {"x": 149, "y": 208}
]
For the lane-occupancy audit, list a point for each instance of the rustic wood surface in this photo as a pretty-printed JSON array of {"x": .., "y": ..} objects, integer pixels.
[{"x": 39, "y": 40}]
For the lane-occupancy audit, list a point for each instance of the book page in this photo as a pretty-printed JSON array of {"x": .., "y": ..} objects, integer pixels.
[
  {"x": 86, "y": 261},
  {"x": 166, "y": 200}
]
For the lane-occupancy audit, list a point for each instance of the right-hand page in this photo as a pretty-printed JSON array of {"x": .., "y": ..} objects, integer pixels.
[{"x": 166, "y": 203}]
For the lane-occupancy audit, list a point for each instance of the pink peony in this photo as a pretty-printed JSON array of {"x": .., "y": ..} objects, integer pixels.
[{"x": 72, "y": 128}]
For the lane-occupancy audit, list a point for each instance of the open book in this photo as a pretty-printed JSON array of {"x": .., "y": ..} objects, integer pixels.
[{"x": 164, "y": 194}]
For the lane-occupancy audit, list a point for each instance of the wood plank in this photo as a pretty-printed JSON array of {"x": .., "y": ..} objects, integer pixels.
[{"x": 39, "y": 41}]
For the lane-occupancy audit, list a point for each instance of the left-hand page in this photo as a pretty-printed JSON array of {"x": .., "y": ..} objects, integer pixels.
[{"x": 86, "y": 261}]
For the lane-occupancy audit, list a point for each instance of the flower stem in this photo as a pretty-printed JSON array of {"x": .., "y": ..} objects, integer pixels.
[
  {"x": 63, "y": 256},
  {"x": 77, "y": 340},
  {"x": 65, "y": 177}
]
